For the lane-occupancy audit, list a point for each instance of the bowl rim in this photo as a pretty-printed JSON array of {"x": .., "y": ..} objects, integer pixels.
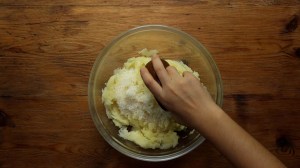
[{"x": 97, "y": 121}]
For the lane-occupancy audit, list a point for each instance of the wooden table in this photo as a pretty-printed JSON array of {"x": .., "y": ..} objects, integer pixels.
[{"x": 47, "y": 49}]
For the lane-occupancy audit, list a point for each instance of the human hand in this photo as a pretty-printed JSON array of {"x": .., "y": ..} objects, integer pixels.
[
  {"x": 183, "y": 95},
  {"x": 186, "y": 97}
]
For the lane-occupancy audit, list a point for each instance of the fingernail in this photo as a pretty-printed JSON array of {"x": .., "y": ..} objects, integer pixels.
[{"x": 155, "y": 56}]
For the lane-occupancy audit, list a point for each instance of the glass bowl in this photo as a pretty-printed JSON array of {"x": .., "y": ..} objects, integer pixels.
[{"x": 171, "y": 44}]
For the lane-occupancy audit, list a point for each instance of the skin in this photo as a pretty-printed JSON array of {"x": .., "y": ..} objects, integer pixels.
[{"x": 190, "y": 101}]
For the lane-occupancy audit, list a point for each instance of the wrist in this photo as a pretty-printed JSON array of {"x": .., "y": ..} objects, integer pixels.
[{"x": 209, "y": 119}]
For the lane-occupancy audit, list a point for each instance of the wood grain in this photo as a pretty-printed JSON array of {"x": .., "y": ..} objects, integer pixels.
[{"x": 47, "y": 49}]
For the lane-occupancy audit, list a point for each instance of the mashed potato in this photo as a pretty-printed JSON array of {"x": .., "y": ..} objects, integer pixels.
[{"x": 132, "y": 107}]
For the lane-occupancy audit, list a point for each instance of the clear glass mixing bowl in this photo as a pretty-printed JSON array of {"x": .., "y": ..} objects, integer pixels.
[{"x": 171, "y": 44}]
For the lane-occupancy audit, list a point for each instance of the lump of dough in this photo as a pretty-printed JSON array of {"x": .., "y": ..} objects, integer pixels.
[{"x": 129, "y": 103}]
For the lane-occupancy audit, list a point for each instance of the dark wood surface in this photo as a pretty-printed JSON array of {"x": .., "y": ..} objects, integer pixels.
[{"x": 47, "y": 49}]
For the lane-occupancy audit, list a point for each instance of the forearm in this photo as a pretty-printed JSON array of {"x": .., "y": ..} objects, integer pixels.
[
  {"x": 187, "y": 98},
  {"x": 235, "y": 143}
]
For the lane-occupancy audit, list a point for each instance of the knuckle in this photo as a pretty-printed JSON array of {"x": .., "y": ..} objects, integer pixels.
[
  {"x": 149, "y": 82},
  {"x": 189, "y": 75},
  {"x": 168, "y": 85},
  {"x": 159, "y": 69},
  {"x": 186, "y": 81},
  {"x": 185, "y": 74},
  {"x": 171, "y": 68}
]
